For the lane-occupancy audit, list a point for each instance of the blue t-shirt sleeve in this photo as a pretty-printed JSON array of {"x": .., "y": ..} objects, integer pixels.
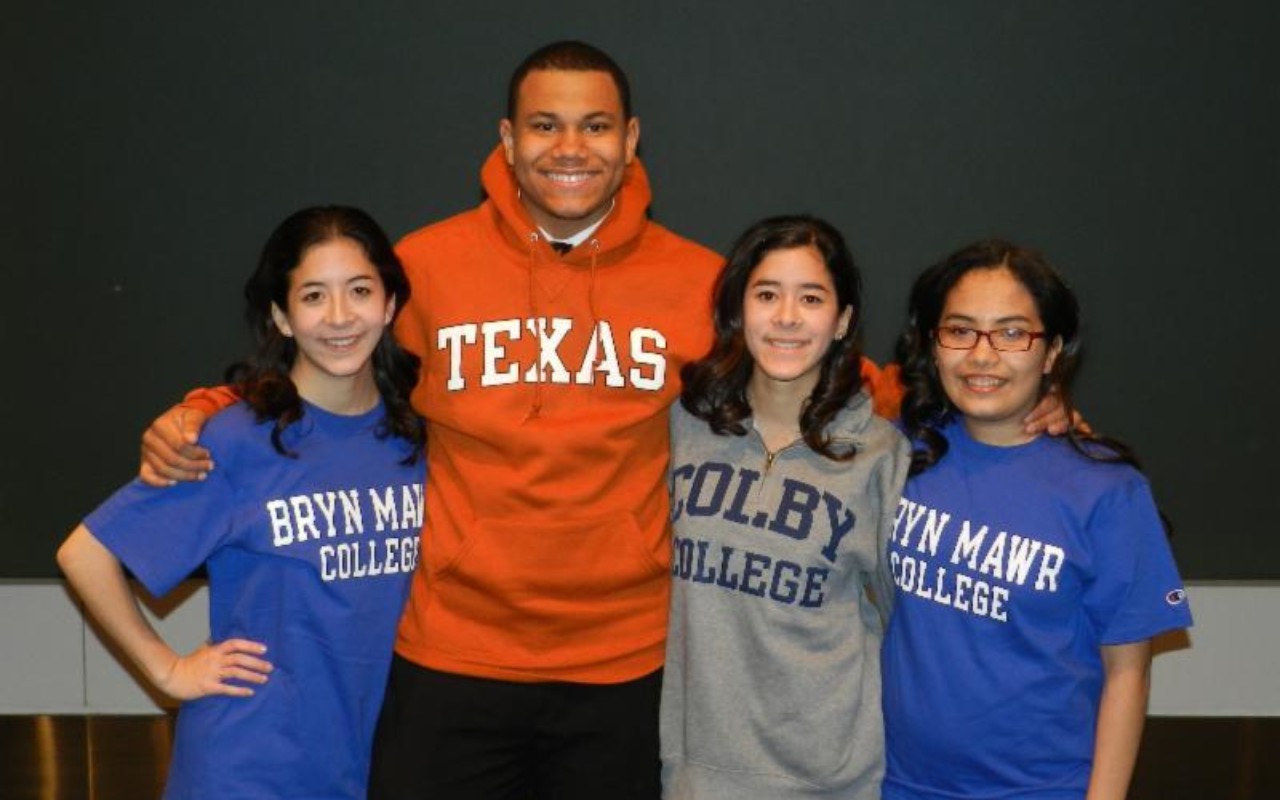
[
  {"x": 163, "y": 535},
  {"x": 1136, "y": 592}
]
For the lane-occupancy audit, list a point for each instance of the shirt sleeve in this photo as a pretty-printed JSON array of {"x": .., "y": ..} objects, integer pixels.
[
  {"x": 890, "y": 481},
  {"x": 163, "y": 534},
  {"x": 1136, "y": 591},
  {"x": 210, "y": 400},
  {"x": 410, "y": 328},
  {"x": 885, "y": 387}
]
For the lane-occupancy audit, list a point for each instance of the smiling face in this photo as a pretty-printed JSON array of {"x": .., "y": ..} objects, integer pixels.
[
  {"x": 336, "y": 311},
  {"x": 790, "y": 316},
  {"x": 569, "y": 145},
  {"x": 994, "y": 390}
]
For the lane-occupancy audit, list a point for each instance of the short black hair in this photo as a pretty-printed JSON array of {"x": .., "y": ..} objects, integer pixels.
[{"x": 571, "y": 56}]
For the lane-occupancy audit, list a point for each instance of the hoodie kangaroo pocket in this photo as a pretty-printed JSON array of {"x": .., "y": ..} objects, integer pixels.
[{"x": 588, "y": 581}]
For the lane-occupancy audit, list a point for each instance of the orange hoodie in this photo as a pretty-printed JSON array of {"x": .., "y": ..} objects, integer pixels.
[{"x": 546, "y": 381}]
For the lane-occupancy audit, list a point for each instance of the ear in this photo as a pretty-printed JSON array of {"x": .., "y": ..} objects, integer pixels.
[
  {"x": 281, "y": 320},
  {"x": 842, "y": 325},
  {"x": 1055, "y": 349},
  {"x": 508, "y": 139},
  {"x": 391, "y": 309},
  {"x": 633, "y": 139}
]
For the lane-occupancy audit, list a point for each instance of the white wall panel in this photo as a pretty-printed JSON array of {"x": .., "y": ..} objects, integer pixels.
[
  {"x": 41, "y": 649},
  {"x": 1228, "y": 664}
]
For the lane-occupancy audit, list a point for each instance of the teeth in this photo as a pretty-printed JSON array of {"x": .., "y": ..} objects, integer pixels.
[
  {"x": 568, "y": 177},
  {"x": 349, "y": 340},
  {"x": 984, "y": 382}
]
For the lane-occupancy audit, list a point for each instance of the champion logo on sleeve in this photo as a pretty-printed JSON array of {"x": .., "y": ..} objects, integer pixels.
[{"x": 1176, "y": 597}]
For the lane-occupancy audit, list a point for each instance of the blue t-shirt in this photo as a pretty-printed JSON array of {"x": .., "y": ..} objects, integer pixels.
[
  {"x": 1013, "y": 566},
  {"x": 311, "y": 556}
]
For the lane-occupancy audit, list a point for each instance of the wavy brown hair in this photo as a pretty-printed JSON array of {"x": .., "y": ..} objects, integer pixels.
[
  {"x": 715, "y": 386},
  {"x": 263, "y": 381}
]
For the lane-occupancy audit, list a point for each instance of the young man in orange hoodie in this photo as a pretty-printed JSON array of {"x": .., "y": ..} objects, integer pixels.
[{"x": 553, "y": 321}]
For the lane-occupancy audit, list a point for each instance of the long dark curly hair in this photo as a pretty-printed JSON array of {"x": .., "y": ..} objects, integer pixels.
[
  {"x": 263, "y": 381},
  {"x": 926, "y": 409},
  {"x": 715, "y": 386}
]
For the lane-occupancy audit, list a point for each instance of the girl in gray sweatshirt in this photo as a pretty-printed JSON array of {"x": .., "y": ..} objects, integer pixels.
[{"x": 783, "y": 490}]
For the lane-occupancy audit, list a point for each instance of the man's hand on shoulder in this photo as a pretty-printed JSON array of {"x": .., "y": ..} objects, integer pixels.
[
  {"x": 1050, "y": 416},
  {"x": 170, "y": 452}
]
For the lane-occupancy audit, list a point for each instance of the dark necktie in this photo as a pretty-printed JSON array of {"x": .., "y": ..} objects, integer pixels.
[{"x": 561, "y": 247}]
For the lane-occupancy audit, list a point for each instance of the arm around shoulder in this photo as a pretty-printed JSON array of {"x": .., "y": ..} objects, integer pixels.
[{"x": 170, "y": 449}]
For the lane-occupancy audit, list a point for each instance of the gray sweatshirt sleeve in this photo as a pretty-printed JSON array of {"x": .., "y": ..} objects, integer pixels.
[{"x": 889, "y": 482}]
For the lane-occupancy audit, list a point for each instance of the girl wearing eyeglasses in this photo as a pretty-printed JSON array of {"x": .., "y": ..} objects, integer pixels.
[{"x": 1031, "y": 572}]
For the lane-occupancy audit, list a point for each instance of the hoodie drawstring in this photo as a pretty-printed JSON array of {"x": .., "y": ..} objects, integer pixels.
[
  {"x": 591, "y": 302},
  {"x": 535, "y": 409},
  {"x": 591, "y": 287}
]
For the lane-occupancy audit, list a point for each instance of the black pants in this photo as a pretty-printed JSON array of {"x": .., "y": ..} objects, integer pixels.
[{"x": 452, "y": 737}]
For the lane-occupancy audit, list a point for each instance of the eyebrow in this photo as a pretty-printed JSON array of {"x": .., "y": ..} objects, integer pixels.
[
  {"x": 351, "y": 280},
  {"x": 811, "y": 286},
  {"x": 591, "y": 115},
  {"x": 999, "y": 321}
]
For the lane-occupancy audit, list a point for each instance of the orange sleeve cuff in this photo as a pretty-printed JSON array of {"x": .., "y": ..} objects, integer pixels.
[
  {"x": 885, "y": 387},
  {"x": 210, "y": 401}
]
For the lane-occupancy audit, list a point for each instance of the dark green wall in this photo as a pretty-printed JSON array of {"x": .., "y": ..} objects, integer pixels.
[{"x": 147, "y": 148}]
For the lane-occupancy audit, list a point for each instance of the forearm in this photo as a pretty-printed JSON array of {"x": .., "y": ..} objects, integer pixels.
[
  {"x": 1121, "y": 716},
  {"x": 99, "y": 580}
]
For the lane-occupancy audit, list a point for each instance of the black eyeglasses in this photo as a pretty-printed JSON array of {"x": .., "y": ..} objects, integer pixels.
[{"x": 1007, "y": 340}]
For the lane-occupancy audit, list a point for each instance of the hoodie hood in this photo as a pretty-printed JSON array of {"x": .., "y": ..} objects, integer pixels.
[
  {"x": 623, "y": 225},
  {"x": 853, "y": 421}
]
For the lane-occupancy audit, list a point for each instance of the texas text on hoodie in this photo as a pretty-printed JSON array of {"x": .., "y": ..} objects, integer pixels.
[{"x": 547, "y": 381}]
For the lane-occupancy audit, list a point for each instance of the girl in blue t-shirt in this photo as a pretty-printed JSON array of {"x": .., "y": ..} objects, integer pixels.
[
  {"x": 1031, "y": 572},
  {"x": 308, "y": 529}
]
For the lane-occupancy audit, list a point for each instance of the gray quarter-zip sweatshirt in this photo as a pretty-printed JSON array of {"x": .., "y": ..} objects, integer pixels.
[{"x": 780, "y": 596}]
